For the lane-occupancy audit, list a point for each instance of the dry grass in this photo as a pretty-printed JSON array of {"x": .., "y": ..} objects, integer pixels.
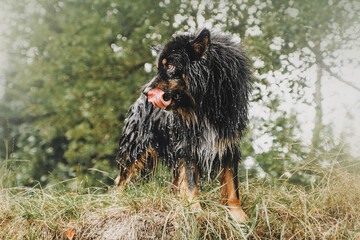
[{"x": 329, "y": 210}]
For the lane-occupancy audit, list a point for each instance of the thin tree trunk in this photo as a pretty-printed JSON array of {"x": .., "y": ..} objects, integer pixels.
[{"x": 318, "y": 107}]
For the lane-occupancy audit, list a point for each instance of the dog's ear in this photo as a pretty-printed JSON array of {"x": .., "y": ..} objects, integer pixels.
[
  {"x": 156, "y": 49},
  {"x": 198, "y": 46}
]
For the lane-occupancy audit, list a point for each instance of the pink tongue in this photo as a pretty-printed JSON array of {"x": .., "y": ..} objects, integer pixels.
[{"x": 155, "y": 96}]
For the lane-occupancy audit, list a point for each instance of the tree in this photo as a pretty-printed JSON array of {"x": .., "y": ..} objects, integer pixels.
[
  {"x": 317, "y": 30},
  {"x": 78, "y": 68}
]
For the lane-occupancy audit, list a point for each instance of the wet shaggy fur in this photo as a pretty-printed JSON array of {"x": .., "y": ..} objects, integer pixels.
[{"x": 207, "y": 79}]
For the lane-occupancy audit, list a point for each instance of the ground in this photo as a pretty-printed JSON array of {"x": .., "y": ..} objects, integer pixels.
[{"x": 330, "y": 209}]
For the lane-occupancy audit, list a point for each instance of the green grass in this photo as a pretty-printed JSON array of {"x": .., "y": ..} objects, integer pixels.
[{"x": 328, "y": 210}]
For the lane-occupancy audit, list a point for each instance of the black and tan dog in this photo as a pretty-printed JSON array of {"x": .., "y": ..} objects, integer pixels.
[{"x": 191, "y": 115}]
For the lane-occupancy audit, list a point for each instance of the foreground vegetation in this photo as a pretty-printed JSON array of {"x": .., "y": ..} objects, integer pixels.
[
  {"x": 329, "y": 209},
  {"x": 74, "y": 68}
]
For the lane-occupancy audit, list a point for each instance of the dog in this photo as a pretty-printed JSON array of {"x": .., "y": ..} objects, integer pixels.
[{"x": 191, "y": 115}]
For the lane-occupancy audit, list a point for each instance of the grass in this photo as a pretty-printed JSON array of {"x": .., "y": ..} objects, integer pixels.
[{"x": 328, "y": 210}]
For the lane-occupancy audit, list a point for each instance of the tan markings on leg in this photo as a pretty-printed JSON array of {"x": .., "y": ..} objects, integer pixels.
[
  {"x": 154, "y": 157},
  {"x": 229, "y": 197},
  {"x": 138, "y": 164},
  {"x": 121, "y": 180},
  {"x": 181, "y": 184},
  {"x": 117, "y": 180},
  {"x": 175, "y": 185}
]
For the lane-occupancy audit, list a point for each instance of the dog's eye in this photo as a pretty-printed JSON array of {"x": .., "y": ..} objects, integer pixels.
[{"x": 171, "y": 67}]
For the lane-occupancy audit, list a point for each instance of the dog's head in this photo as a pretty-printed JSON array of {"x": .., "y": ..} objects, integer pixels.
[{"x": 170, "y": 89}]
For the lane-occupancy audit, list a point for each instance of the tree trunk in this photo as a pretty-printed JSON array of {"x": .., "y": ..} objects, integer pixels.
[{"x": 318, "y": 107}]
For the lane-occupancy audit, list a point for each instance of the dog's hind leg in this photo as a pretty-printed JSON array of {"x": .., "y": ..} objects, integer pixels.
[
  {"x": 230, "y": 195},
  {"x": 186, "y": 180},
  {"x": 126, "y": 170},
  {"x": 147, "y": 163}
]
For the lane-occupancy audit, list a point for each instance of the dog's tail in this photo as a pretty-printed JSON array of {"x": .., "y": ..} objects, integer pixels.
[{"x": 143, "y": 136}]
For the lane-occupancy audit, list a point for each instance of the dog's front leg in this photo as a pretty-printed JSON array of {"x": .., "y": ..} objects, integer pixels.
[
  {"x": 186, "y": 180},
  {"x": 230, "y": 195}
]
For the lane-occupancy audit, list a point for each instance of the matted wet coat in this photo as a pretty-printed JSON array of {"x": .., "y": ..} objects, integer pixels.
[{"x": 191, "y": 115}]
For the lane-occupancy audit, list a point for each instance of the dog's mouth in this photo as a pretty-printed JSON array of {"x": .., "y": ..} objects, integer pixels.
[{"x": 156, "y": 97}]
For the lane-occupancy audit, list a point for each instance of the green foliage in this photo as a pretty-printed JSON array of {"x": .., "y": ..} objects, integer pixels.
[
  {"x": 75, "y": 67},
  {"x": 86, "y": 70}
]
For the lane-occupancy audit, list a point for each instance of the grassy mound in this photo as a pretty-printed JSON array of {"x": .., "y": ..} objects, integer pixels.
[{"x": 328, "y": 210}]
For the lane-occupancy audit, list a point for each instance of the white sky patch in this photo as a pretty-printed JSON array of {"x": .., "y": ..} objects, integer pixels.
[
  {"x": 3, "y": 56},
  {"x": 276, "y": 44},
  {"x": 258, "y": 109},
  {"x": 2, "y": 84},
  {"x": 263, "y": 143},
  {"x": 153, "y": 36},
  {"x": 293, "y": 12},
  {"x": 148, "y": 67},
  {"x": 236, "y": 38},
  {"x": 116, "y": 48},
  {"x": 178, "y": 20},
  {"x": 250, "y": 163},
  {"x": 341, "y": 103},
  {"x": 252, "y": 9},
  {"x": 258, "y": 63},
  {"x": 342, "y": 106},
  {"x": 192, "y": 24},
  {"x": 253, "y": 31}
]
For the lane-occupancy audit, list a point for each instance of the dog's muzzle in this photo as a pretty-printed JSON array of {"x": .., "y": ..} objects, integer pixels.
[{"x": 156, "y": 97}]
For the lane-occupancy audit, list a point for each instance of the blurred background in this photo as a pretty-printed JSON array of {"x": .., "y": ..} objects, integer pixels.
[{"x": 69, "y": 71}]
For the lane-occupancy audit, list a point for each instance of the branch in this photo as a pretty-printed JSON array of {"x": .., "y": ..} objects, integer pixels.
[{"x": 327, "y": 68}]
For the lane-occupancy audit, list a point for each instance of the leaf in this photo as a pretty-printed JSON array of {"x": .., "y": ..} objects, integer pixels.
[{"x": 70, "y": 234}]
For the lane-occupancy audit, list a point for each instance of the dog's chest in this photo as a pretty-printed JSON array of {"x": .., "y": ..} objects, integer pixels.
[{"x": 210, "y": 146}]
